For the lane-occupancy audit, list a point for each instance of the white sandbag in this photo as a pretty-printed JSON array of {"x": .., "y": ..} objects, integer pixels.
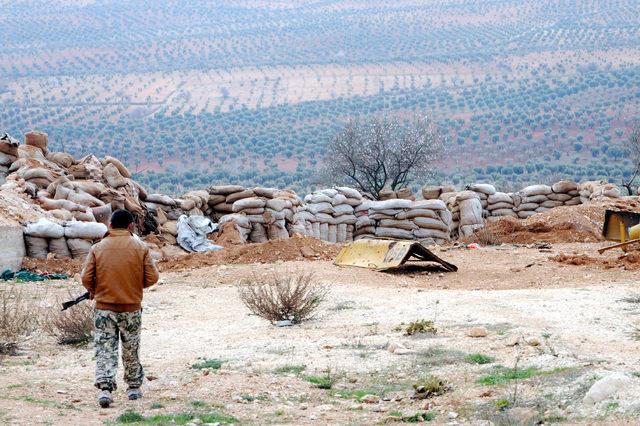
[
  {"x": 349, "y": 192},
  {"x": 428, "y": 223},
  {"x": 498, "y": 206},
  {"x": 391, "y": 204},
  {"x": 238, "y": 219},
  {"x": 265, "y": 192},
  {"x": 342, "y": 209},
  {"x": 363, "y": 207},
  {"x": 564, "y": 186},
  {"x": 44, "y": 228},
  {"x": 84, "y": 199},
  {"x": 346, "y": 219},
  {"x": 78, "y": 247},
  {"x": 89, "y": 186},
  {"x": 341, "y": 233},
  {"x": 85, "y": 230},
  {"x": 400, "y": 224},
  {"x": 550, "y": 204},
  {"x": 36, "y": 247},
  {"x": 410, "y": 214},
  {"x": 394, "y": 233},
  {"x": 247, "y": 203},
  {"x": 193, "y": 231},
  {"x": 429, "y": 204},
  {"x": 317, "y": 198},
  {"x": 470, "y": 211},
  {"x": 423, "y": 233},
  {"x": 532, "y": 190},
  {"x": 446, "y": 196},
  {"x": 323, "y": 207},
  {"x": 527, "y": 207},
  {"x": 332, "y": 234},
  {"x": 338, "y": 199},
  {"x": 467, "y": 195},
  {"x": 500, "y": 197},
  {"x": 58, "y": 246},
  {"x": 483, "y": 188},
  {"x": 324, "y": 231},
  {"x": 329, "y": 192}
]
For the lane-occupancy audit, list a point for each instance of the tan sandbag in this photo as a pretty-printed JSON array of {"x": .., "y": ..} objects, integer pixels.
[
  {"x": 246, "y": 203},
  {"x": 9, "y": 147},
  {"x": 277, "y": 231},
  {"x": 564, "y": 186},
  {"x": 142, "y": 193},
  {"x": 133, "y": 206},
  {"x": 173, "y": 251},
  {"x": 428, "y": 223},
  {"x": 405, "y": 193},
  {"x": 400, "y": 224},
  {"x": 394, "y": 233},
  {"x": 39, "y": 173},
  {"x": 349, "y": 192},
  {"x": 61, "y": 193},
  {"x": 79, "y": 171},
  {"x": 40, "y": 182},
  {"x": 225, "y": 189},
  {"x": 170, "y": 227},
  {"x": 90, "y": 187},
  {"x": 430, "y": 192},
  {"x": 102, "y": 214},
  {"x": 258, "y": 233},
  {"x": 118, "y": 164},
  {"x": 424, "y": 233},
  {"x": 410, "y": 214},
  {"x": 232, "y": 198},
  {"x": 33, "y": 152},
  {"x": 84, "y": 216},
  {"x": 532, "y": 190},
  {"x": 78, "y": 247},
  {"x": 265, "y": 193},
  {"x": 58, "y": 246},
  {"x": 386, "y": 194},
  {"x": 168, "y": 238},
  {"x": 161, "y": 217},
  {"x": 61, "y": 158},
  {"x": 216, "y": 199},
  {"x": 37, "y": 248},
  {"x": 279, "y": 204},
  {"x": 186, "y": 205},
  {"x": 161, "y": 199},
  {"x": 37, "y": 139},
  {"x": 113, "y": 176},
  {"x": 61, "y": 214}
]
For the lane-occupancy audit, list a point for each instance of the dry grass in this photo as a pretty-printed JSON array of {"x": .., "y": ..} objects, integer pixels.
[
  {"x": 73, "y": 326},
  {"x": 486, "y": 237},
  {"x": 18, "y": 318},
  {"x": 283, "y": 297}
]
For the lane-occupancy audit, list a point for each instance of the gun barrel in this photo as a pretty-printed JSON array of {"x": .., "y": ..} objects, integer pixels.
[{"x": 70, "y": 303}]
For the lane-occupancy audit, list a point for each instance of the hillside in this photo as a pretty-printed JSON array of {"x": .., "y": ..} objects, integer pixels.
[{"x": 190, "y": 95}]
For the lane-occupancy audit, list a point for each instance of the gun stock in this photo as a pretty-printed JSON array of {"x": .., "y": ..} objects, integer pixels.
[{"x": 70, "y": 303}]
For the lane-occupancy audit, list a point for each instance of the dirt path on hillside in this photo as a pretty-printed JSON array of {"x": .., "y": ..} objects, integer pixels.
[{"x": 572, "y": 325}]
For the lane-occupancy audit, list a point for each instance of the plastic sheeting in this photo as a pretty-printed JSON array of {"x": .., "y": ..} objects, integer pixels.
[{"x": 192, "y": 234}]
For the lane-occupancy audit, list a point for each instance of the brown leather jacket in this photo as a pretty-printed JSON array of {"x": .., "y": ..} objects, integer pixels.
[{"x": 117, "y": 269}]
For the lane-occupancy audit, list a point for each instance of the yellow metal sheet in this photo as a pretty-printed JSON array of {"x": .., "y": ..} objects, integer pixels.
[{"x": 386, "y": 254}]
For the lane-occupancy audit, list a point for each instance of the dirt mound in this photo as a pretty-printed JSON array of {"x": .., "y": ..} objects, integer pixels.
[
  {"x": 16, "y": 209},
  {"x": 295, "y": 248},
  {"x": 569, "y": 224},
  {"x": 629, "y": 261},
  {"x": 53, "y": 266},
  {"x": 228, "y": 235}
]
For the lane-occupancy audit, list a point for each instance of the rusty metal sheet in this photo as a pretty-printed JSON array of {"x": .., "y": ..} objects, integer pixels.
[{"x": 386, "y": 254}]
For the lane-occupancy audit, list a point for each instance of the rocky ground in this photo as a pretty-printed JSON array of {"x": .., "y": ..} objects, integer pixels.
[{"x": 520, "y": 339}]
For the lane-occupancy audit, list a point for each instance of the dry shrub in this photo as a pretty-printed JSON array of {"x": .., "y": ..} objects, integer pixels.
[
  {"x": 73, "y": 326},
  {"x": 486, "y": 237},
  {"x": 18, "y": 318},
  {"x": 281, "y": 297}
]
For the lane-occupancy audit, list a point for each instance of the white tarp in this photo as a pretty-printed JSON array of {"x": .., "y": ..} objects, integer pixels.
[{"x": 192, "y": 233}]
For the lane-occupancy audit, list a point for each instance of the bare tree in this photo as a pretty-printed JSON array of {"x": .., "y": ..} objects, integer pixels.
[
  {"x": 633, "y": 145},
  {"x": 383, "y": 153}
]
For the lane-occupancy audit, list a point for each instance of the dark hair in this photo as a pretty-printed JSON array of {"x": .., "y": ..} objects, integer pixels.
[{"x": 121, "y": 219}]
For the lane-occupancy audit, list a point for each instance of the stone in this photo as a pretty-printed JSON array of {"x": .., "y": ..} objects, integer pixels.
[
  {"x": 522, "y": 416},
  {"x": 477, "y": 332},
  {"x": 370, "y": 399},
  {"x": 605, "y": 387},
  {"x": 452, "y": 415},
  {"x": 533, "y": 342}
]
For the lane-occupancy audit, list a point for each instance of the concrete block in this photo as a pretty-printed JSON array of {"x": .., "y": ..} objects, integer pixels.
[{"x": 12, "y": 248}]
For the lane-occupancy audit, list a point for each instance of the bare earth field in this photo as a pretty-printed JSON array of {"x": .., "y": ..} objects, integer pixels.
[{"x": 564, "y": 326}]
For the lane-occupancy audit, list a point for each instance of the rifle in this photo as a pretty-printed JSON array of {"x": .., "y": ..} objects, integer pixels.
[{"x": 70, "y": 303}]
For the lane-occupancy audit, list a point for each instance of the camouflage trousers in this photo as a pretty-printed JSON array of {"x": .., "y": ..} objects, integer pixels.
[{"x": 110, "y": 329}]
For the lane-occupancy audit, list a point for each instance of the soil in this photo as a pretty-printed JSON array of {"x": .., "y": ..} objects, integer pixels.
[
  {"x": 573, "y": 324},
  {"x": 578, "y": 224},
  {"x": 628, "y": 261}
]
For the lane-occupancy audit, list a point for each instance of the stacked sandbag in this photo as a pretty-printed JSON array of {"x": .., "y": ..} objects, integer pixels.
[
  {"x": 222, "y": 197},
  {"x": 431, "y": 192},
  {"x": 389, "y": 194},
  {"x": 500, "y": 204},
  {"x": 535, "y": 199},
  {"x": 404, "y": 219},
  {"x": 468, "y": 206},
  {"x": 484, "y": 190},
  {"x": 565, "y": 191},
  {"x": 8, "y": 154},
  {"x": 597, "y": 189},
  {"x": 71, "y": 239},
  {"x": 330, "y": 214}
]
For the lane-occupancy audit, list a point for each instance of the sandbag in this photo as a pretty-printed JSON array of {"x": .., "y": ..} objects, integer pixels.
[
  {"x": 386, "y": 194},
  {"x": 500, "y": 197},
  {"x": 349, "y": 192},
  {"x": 467, "y": 195},
  {"x": 7, "y": 160},
  {"x": 85, "y": 230},
  {"x": 33, "y": 152},
  {"x": 410, "y": 214},
  {"x": 532, "y": 190},
  {"x": 124, "y": 172},
  {"x": 341, "y": 232},
  {"x": 429, "y": 204},
  {"x": 391, "y": 204},
  {"x": 186, "y": 205},
  {"x": 170, "y": 227},
  {"x": 498, "y": 206},
  {"x": 78, "y": 247},
  {"x": 535, "y": 199},
  {"x": 550, "y": 204},
  {"x": 265, "y": 192},
  {"x": 84, "y": 199},
  {"x": 102, "y": 214},
  {"x": 564, "y": 186},
  {"x": 559, "y": 197},
  {"x": 423, "y": 233},
  {"x": 44, "y": 228},
  {"x": 277, "y": 230},
  {"x": 247, "y": 203},
  {"x": 258, "y": 233},
  {"x": 573, "y": 202},
  {"x": 37, "y": 139},
  {"x": 400, "y": 224},
  {"x": 61, "y": 214},
  {"x": 318, "y": 198},
  {"x": 484, "y": 188},
  {"x": 504, "y": 212},
  {"x": 527, "y": 207},
  {"x": 342, "y": 209},
  {"x": 394, "y": 233},
  {"x": 165, "y": 200},
  {"x": 323, "y": 207},
  {"x": 332, "y": 234},
  {"x": 61, "y": 159},
  {"x": 428, "y": 223},
  {"x": 278, "y": 204},
  {"x": 113, "y": 176},
  {"x": 9, "y": 146},
  {"x": 39, "y": 173},
  {"x": 232, "y": 198},
  {"x": 36, "y": 247},
  {"x": 58, "y": 246},
  {"x": 239, "y": 219},
  {"x": 225, "y": 189},
  {"x": 526, "y": 213},
  {"x": 431, "y": 192},
  {"x": 323, "y": 233},
  {"x": 470, "y": 211},
  {"x": 345, "y": 219}
]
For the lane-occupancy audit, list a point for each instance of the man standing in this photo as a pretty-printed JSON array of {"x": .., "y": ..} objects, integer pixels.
[{"x": 116, "y": 271}]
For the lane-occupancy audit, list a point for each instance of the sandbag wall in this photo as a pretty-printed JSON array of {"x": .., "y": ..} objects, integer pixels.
[
  {"x": 329, "y": 214},
  {"x": 259, "y": 214},
  {"x": 71, "y": 239}
]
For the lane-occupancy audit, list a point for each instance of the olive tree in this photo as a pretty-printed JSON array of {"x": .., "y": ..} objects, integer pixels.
[{"x": 383, "y": 152}]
